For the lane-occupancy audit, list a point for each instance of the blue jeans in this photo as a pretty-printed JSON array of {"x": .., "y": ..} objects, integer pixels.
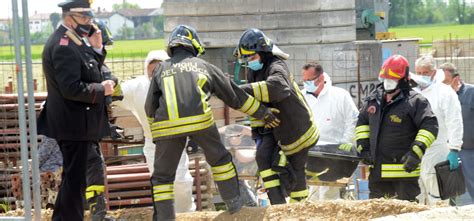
[{"x": 467, "y": 158}]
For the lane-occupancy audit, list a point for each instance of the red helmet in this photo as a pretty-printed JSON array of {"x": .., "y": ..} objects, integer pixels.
[{"x": 395, "y": 68}]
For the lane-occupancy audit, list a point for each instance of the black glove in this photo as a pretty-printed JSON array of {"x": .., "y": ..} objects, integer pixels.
[
  {"x": 366, "y": 158},
  {"x": 271, "y": 121},
  {"x": 410, "y": 161}
]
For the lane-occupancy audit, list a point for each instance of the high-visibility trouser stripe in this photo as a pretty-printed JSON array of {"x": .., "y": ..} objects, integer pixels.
[
  {"x": 181, "y": 121},
  {"x": 170, "y": 96},
  {"x": 267, "y": 173},
  {"x": 183, "y": 129},
  {"x": 163, "y": 192},
  {"x": 250, "y": 106},
  {"x": 224, "y": 172},
  {"x": 94, "y": 190},
  {"x": 299, "y": 194},
  {"x": 254, "y": 122},
  {"x": 308, "y": 138},
  {"x": 418, "y": 151},
  {"x": 271, "y": 183},
  {"x": 257, "y": 93},
  {"x": 397, "y": 171},
  {"x": 427, "y": 134},
  {"x": 282, "y": 162}
]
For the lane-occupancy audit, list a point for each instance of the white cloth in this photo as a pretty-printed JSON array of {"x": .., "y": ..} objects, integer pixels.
[
  {"x": 447, "y": 109},
  {"x": 134, "y": 97},
  {"x": 335, "y": 114}
]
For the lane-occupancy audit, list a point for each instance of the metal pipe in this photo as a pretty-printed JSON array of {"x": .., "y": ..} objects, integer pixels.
[
  {"x": 129, "y": 202},
  {"x": 21, "y": 111},
  {"x": 128, "y": 177},
  {"x": 129, "y": 185},
  {"x": 197, "y": 178}
]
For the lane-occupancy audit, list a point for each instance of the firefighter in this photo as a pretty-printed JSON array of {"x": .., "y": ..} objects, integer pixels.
[
  {"x": 282, "y": 151},
  {"x": 177, "y": 106},
  {"x": 395, "y": 128}
]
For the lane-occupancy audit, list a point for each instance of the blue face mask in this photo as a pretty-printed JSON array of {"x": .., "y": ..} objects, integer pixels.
[
  {"x": 423, "y": 81},
  {"x": 309, "y": 86},
  {"x": 255, "y": 65}
]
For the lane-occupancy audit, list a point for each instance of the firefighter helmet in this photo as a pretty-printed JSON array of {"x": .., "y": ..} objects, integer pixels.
[
  {"x": 183, "y": 35},
  {"x": 252, "y": 41},
  {"x": 107, "y": 37},
  {"x": 396, "y": 67}
]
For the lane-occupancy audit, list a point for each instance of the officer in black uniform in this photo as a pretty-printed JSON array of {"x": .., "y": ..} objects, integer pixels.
[{"x": 75, "y": 111}]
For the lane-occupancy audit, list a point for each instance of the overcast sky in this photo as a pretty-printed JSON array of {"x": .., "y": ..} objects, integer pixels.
[{"x": 49, "y": 6}]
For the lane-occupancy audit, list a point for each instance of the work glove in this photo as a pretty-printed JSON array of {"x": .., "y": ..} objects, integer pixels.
[
  {"x": 271, "y": 121},
  {"x": 345, "y": 147},
  {"x": 366, "y": 158},
  {"x": 453, "y": 158},
  {"x": 410, "y": 161}
]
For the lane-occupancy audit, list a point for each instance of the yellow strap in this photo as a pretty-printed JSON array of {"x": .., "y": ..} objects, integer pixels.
[
  {"x": 163, "y": 188},
  {"x": 299, "y": 194},
  {"x": 271, "y": 183},
  {"x": 223, "y": 168},
  {"x": 268, "y": 172},
  {"x": 202, "y": 79},
  {"x": 150, "y": 120},
  {"x": 163, "y": 196},
  {"x": 170, "y": 96},
  {"x": 224, "y": 176},
  {"x": 96, "y": 188}
]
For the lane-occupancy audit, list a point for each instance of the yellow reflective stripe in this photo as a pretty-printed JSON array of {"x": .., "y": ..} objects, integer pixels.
[
  {"x": 181, "y": 121},
  {"x": 427, "y": 134},
  {"x": 308, "y": 138},
  {"x": 150, "y": 120},
  {"x": 245, "y": 52},
  {"x": 264, "y": 90},
  {"x": 256, "y": 91},
  {"x": 424, "y": 140},
  {"x": 170, "y": 96},
  {"x": 163, "y": 188},
  {"x": 96, "y": 188},
  {"x": 183, "y": 129},
  {"x": 90, "y": 194},
  {"x": 250, "y": 106},
  {"x": 202, "y": 79},
  {"x": 222, "y": 168},
  {"x": 282, "y": 162},
  {"x": 418, "y": 151},
  {"x": 268, "y": 172},
  {"x": 294, "y": 200},
  {"x": 254, "y": 122},
  {"x": 224, "y": 176},
  {"x": 400, "y": 174},
  {"x": 163, "y": 196},
  {"x": 361, "y": 136},
  {"x": 298, "y": 194},
  {"x": 393, "y": 167},
  {"x": 272, "y": 183},
  {"x": 362, "y": 128}
]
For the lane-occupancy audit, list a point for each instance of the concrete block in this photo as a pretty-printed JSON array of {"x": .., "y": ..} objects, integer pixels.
[
  {"x": 263, "y": 21},
  {"x": 232, "y": 7}
]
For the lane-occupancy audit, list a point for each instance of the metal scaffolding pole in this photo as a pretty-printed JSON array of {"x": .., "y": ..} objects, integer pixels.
[
  {"x": 21, "y": 112},
  {"x": 31, "y": 114}
]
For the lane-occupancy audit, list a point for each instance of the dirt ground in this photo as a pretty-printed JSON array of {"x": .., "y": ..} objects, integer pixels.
[{"x": 321, "y": 210}]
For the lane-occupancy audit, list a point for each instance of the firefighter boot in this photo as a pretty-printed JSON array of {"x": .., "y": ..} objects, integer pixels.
[
  {"x": 163, "y": 210},
  {"x": 234, "y": 205},
  {"x": 276, "y": 196},
  {"x": 97, "y": 209}
]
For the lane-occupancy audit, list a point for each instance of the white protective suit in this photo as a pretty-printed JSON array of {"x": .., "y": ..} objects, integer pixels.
[
  {"x": 335, "y": 115},
  {"x": 447, "y": 109},
  {"x": 134, "y": 97}
]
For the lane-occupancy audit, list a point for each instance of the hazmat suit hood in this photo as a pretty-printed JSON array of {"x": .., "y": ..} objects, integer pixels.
[
  {"x": 327, "y": 84},
  {"x": 160, "y": 55}
]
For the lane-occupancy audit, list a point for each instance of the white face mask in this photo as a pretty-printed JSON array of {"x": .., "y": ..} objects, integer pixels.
[{"x": 389, "y": 84}]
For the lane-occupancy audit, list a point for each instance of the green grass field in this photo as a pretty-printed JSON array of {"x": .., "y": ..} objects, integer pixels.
[
  {"x": 435, "y": 32},
  {"x": 121, "y": 49}
]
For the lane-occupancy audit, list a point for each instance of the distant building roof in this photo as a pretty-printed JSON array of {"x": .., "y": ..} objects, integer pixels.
[
  {"x": 103, "y": 14},
  {"x": 40, "y": 16},
  {"x": 142, "y": 12}
]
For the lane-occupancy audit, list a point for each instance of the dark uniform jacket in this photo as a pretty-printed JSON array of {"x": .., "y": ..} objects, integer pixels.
[
  {"x": 272, "y": 85},
  {"x": 177, "y": 101},
  {"x": 407, "y": 123},
  {"x": 75, "y": 107},
  {"x": 466, "y": 97}
]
